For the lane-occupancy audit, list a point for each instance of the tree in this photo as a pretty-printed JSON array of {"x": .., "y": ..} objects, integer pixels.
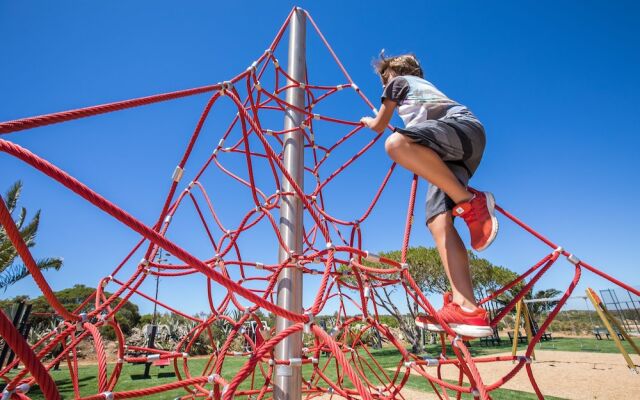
[
  {"x": 428, "y": 272},
  {"x": 538, "y": 308},
  {"x": 42, "y": 312},
  {"x": 10, "y": 271}
]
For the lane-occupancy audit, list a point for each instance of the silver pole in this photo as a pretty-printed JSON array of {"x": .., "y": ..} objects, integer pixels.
[{"x": 288, "y": 382}]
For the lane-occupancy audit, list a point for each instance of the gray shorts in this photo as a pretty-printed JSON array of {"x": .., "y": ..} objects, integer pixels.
[{"x": 459, "y": 139}]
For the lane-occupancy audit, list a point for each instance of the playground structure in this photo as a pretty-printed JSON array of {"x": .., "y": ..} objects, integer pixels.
[
  {"x": 312, "y": 241},
  {"x": 626, "y": 310}
]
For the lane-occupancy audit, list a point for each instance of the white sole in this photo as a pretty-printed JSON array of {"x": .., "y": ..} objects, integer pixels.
[
  {"x": 473, "y": 331},
  {"x": 491, "y": 206}
]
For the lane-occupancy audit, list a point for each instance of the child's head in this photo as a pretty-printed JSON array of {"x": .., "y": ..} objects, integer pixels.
[{"x": 390, "y": 67}]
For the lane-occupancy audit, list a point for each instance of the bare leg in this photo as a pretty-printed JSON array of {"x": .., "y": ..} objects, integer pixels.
[
  {"x": 454, "y": 258},
  {"x": 427, "y": 164}
]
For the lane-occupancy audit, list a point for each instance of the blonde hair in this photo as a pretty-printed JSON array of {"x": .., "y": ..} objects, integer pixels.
[{"x": 404, "y": 64}]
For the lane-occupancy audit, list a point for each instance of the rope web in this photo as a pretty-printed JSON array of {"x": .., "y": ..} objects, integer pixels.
[{"x": 338, "y": 361}]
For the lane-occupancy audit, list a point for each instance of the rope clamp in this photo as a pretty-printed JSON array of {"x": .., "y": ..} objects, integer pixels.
[
  {"x": 295, "y": 362},
  {"x": 316, "y": 116},
  {"x": 259, "y": 265},
  {"x": 23, "y": 388},
  {"x": 455, "y": 341},
  {"x": 432, "y": 362},
  {"x": 525, "y": 359},
  {"x": 253, "y": 67},
  {"x": 167, "y": 219},
  {"x": 573, "y": 259},
  {"x": 307, "y": 325},
  {"x": 302, "y": 85},
  {"x": 268, "y": 132},
  {"x": 475, "y": 392},
  {"x": 314, "y": 360},
  {"x": 107, "y": 395},
  {"x": 355, "y": 87},
  {"x": 559, "y": 250},
  {"x": 212, "y": 378},
  {"x": 330, "y": 246},
  {"x": 257, "y": 85},
  {"x": 276, "y": 63},
  {"x": 339, "y": 87},
  {"x": 404, "y": 266},
  {"x": 177, "y": 174},
  {"x": 367, "y": 292},
  {"x": 153, "y": 357}
]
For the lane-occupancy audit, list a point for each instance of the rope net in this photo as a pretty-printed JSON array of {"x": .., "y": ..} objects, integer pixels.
[{"x": 337, "y": 360}]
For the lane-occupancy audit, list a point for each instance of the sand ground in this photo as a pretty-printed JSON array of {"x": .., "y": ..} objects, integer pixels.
[{"x": 565, "y": 374}]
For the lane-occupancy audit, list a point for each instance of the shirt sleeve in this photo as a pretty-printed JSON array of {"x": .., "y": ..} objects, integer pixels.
[{"x": 396, "y": 90}]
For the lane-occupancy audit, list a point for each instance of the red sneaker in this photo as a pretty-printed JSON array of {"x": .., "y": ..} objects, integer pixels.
[
  {"x": 474, "y": 324},
  {"x": 479, "y": 214}
]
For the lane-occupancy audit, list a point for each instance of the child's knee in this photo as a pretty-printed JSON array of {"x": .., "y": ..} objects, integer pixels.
[
  {"x": 394, "y": 144},
  {"x": 440, "y": 224}
]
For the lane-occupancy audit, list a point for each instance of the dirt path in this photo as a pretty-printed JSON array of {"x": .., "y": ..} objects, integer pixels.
[
  {"x": 573, "y": 375},
  {"x": 408, "y": 394},
  {"x": 566, "y": 374}
]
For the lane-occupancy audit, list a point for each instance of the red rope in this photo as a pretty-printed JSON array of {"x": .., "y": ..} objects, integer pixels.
[
  {"x": 25, "y": 354},
  {"x": 55, "y": 118},
  {"x": 332, "y": 248}
]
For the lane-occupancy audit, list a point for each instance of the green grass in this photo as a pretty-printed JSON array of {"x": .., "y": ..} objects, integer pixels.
[
  {"x": 558, "y": 344},
  {"x": 388, "y": 358}
]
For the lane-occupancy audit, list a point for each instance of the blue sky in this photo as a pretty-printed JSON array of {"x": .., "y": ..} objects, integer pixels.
[{"x": 555, "y": 84}]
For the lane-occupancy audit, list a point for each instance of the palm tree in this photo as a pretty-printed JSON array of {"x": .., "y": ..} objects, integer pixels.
[{"x": 11, "y": 271}]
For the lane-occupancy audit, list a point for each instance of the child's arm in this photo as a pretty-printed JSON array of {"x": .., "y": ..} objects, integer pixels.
[{"x": 381, "y": 121}]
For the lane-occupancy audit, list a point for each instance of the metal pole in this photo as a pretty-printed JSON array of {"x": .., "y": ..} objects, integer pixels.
[{"x": 288, "y": 380}]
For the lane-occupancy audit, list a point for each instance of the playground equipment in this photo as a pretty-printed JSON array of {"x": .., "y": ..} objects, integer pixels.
[
  {"x": 20, "y": 321},
  {"x": 313, "y": 242},
  {"x": 610, "y": 322},
  {"x": 627, "y": 310}
]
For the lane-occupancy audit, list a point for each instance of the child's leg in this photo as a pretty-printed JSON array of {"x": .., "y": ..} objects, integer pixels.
[
  {"x": 427, "y": 164},
  {"x": 454, "y": 258}
]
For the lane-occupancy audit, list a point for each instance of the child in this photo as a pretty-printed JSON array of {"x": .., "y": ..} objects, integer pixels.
[{"x": 443, "y": 143}]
